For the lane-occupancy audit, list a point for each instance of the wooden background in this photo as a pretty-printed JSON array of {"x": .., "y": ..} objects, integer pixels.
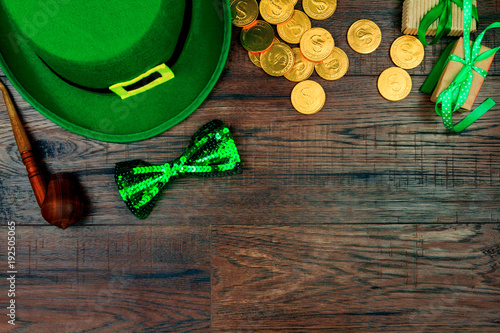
[{"x": 367, "y": 216}]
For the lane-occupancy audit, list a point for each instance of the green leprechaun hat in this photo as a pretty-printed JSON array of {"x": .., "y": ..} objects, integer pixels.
[{"x": 114, "y": 70}]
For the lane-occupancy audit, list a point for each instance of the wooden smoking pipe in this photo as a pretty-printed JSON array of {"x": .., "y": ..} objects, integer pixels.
[{"x": 60, "y": 200}]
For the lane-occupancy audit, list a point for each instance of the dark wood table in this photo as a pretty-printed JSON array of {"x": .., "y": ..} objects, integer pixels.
[{"x": 367, "y": 216}]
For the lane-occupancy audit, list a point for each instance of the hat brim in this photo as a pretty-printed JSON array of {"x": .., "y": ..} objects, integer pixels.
[{"x": 107, "y": 117}]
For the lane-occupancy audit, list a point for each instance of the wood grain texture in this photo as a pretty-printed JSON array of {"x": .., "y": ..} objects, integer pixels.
[
  {"x": 385, "y": 278},
  {"x": 111, "y": 279},
  {"x": 367, "y": 216},
  {"x": 361, "y": 159}
]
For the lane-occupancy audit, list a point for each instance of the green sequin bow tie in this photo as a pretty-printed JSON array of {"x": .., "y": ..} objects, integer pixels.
[{"x": 211, "y": 152}]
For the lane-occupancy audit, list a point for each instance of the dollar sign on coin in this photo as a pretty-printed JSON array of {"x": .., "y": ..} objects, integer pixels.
[
  {"x": 317, "y": 42},
  {"x": 394, "y": 83},
  {"x": 240, "y": 9},
  {"x": 306, "y": 96}
]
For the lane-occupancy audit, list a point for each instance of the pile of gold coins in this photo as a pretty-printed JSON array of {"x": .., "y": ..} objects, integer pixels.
[{"x": 316, "y": 48}]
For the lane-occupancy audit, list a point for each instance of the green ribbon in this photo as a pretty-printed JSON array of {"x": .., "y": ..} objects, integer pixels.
[
  {"x": 211, "y": 152},
  {"x": 452, "y": 98},
  {"x": 442, "y": 12}
]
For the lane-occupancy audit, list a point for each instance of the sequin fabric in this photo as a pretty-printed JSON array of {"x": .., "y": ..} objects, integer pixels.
[{"x": 211, "y": 152}]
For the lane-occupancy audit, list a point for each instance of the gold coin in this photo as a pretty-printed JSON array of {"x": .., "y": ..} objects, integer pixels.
[
  {"x": 308, "y": 97},
  {"x": 319, "y": 9},
  {"x": 293, "y": 29},
  {"x": 316, "y": 44},
  {"x": 394, "y": 84},
  {"x": 258, "y": 37},
  {"x": 276, "y": 11},
  {"x": 244, "y": 12},
  {"x": 278, "y": 60},
  {"x": 255, "y": 58},
  {"x": 333, "y": 67},
  {"x": 407, "y": 52},
  {"x": 364, "y": 36},
  {"x": 302, "y": 68}
]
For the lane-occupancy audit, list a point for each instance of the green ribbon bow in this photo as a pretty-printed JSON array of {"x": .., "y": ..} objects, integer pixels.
[
  {"x": 211, "y": 152},
  {"x": 452, "y": 98},
  {"x": 442, "y": 12}
]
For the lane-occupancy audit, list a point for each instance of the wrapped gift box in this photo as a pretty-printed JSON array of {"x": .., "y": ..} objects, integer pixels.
[
  {"x": 453, "y": 68},
  {"x": 414, "y": 11}
]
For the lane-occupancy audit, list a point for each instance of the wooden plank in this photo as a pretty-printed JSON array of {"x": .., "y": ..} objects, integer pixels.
[
  {"x": 361, "y": 210},
  {"x": 397, "y": 278},
  {"x": 358, "y": 160},
  {"x": 103, "y": 279}
]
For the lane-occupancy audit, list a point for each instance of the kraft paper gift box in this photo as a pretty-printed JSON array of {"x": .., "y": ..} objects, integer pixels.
[{"x": 453, "y": 68}]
